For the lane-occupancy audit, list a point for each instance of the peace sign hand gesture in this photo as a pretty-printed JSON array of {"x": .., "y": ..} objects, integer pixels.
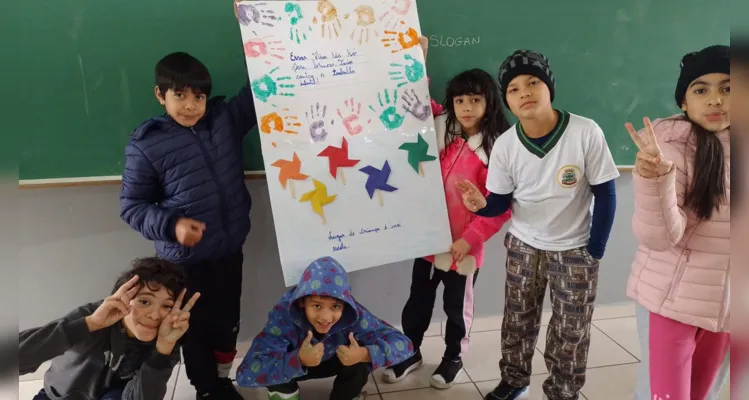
[
  {"x": 650, "y": 162},
  {"x": 114, "y": 308},
  {"x": 472, "y": 197},
  {"x": 174, "y": 326}
]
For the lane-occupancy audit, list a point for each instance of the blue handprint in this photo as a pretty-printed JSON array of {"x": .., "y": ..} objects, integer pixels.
[
  {"x": 412, "y": 72},
  {"x": 294, "y": 12},
  {"x": 389, "y": 115},
  {"x": 265, "y": 87}
]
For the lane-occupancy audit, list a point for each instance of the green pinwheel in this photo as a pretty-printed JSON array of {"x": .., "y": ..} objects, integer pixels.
[{"x": 417, "y": 154}]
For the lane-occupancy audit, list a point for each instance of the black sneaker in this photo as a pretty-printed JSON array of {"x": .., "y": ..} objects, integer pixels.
[
  {"x": 396, "y": 373},
  {"x": 228, "y": 390},
  {"x": 224, "y": 390},
  {"x": 446, "y": 374},
  {"x": 504, "y": 391}
]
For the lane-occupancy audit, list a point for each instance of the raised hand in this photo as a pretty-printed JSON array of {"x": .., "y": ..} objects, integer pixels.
[
  {"x": 351, "y": 354},
  {"x": 309, "y": 355},
  {"x": 174, "y": 326},
  {"x": 472, "y": 197},
  {"x": 650, "y": 162},
  {"x": 424, "y": 43},
  {"x": 114, "y": 308},
  {"x": 188, "y": 231}
]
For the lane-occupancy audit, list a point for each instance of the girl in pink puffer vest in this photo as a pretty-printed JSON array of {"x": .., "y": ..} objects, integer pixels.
[
  {"x": 682, "y": 222},
  {"x": 466, "y": 132}
]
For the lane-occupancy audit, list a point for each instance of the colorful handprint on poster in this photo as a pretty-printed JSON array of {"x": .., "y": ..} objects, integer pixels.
[{"x": 346, "y": 130}]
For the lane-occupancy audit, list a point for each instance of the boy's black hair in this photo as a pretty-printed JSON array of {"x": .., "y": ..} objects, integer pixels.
[
  {"x": 494, "y": 122},
  {"x": 180, "y": 71},
  {"x": 155, "y": 273}
]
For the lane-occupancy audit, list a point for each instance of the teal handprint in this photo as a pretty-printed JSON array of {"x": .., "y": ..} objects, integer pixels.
[
  {"x": 294, "y": 12},
  {"x": 265, "y": 87},
  {"x": 389, "y": 116},
  {"x": 413, "y": 71}
]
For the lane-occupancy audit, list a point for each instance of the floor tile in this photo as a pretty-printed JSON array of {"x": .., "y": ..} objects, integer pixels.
[
  {"x": 622, "y": 310},
  {"x": 29, "y": 389},
  {"x": 484, "y": 324},
  {"x": 603, "y": 351},
  {"x": 622, "y": 331},
  {"x": 466, "y": 391},
  {"x": 610, "y": 383},
  {"x": 432, "y": 350},
  {"x": 482, "y": 359},
  {"x": 435, "y": 329},
  {"x": 310, "y": 390},
  {"x": 35, "y": 376},
  {"x": 535, "y": 390}
]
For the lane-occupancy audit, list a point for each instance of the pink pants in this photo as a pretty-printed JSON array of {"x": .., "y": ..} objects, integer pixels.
[{"x": 684, "y": 359}]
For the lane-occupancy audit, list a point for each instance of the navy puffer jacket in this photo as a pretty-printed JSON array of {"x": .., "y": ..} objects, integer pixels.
[{"x": 172, "y": 172}]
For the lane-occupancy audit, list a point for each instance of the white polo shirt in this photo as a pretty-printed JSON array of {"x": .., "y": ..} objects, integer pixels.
[{"x": 551, "y": 207}]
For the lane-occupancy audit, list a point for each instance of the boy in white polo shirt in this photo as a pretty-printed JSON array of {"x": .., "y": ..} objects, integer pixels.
[{"x": 548, "y": 167}]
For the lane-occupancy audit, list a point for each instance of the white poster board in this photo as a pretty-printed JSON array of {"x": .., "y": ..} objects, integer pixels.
[{"x": 346, "y": 131}]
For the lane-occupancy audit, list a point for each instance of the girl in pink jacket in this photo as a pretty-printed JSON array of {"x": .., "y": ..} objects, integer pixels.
[
  {"x": 682, "y": 221},
  {"x": 465, "y": 134}
]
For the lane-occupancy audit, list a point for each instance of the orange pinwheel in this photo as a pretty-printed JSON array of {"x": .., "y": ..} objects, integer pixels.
[{"x": 290, "y": 171}]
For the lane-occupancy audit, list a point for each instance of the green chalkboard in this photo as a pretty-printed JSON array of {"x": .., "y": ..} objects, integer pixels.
[{"x": 85, "y": 69}]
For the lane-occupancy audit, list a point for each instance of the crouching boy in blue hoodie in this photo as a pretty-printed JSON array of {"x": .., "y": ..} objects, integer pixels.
[{"x": 317, "y": 331}]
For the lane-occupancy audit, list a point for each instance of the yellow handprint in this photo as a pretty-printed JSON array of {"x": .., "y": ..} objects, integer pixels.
[
  {"x": 365, "y": 18},
  {"x": 328, "y": 18}
]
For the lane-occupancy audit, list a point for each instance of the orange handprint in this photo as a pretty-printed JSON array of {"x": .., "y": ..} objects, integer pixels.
[
  {"x": 258, "y": 47},
  {"x": 273, "y": 122},
  {"x": 328, "y": 18},
  {"x": 403, "y": 40}
]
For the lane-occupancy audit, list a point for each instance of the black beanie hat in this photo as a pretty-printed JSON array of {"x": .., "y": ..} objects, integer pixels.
[
  {"x": 525, "y": 62},
  {"x": 710, "y": 60}
]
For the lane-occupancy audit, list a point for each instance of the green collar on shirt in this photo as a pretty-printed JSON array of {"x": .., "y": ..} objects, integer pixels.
[{"x": 556, "y": 134}]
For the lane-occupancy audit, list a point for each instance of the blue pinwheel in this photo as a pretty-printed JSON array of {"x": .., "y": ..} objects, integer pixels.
[{"x": 377, "y": 181}]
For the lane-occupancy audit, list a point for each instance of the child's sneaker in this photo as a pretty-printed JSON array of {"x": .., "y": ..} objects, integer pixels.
[
  {"x": 504, "y": 391},
  {"x": 445, "y": 375},
  {"x": 225, "y": 390},
  {"x": 362, "y": 396},
  {"x": 283, "y": 396},
  {"x": 229, "y": 391},
  {"x": 396, "y": 373}
]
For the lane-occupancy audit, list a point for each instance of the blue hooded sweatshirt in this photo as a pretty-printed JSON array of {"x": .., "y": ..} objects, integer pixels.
[{"x": 274, "y": 356}]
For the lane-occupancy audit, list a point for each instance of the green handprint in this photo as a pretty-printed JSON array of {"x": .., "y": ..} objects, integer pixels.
[
  {"x": 265, "y": 86},
  {"x": 389, "y": 116},
  {"x": 413, "y": 72},
  {"x": 295, "y": 17}
]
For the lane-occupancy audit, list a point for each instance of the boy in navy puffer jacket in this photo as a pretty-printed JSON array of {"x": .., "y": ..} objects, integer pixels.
[{"x": 183, "y": 188}]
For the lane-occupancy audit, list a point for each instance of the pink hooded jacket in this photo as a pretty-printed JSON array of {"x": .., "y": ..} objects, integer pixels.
[
  {"x": 681, "y": 269},
  {"x": 463, "y": 160}
]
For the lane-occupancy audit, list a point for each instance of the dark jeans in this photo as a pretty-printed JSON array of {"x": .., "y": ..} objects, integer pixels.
[
  {"x": 348, "y": 383},
  {"x": 214, "y": 321},
  {"x": 115, "y": 394}
]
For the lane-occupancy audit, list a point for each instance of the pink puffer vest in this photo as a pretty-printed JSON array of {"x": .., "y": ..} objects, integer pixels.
[{"x": 681, "y": 270}]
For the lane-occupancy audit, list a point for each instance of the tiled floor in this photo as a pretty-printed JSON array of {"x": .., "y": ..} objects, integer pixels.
[{"x": 613, "y": 362}]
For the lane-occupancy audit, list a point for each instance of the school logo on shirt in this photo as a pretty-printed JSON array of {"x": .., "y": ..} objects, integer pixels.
[{"x": 568, "y": 176}]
